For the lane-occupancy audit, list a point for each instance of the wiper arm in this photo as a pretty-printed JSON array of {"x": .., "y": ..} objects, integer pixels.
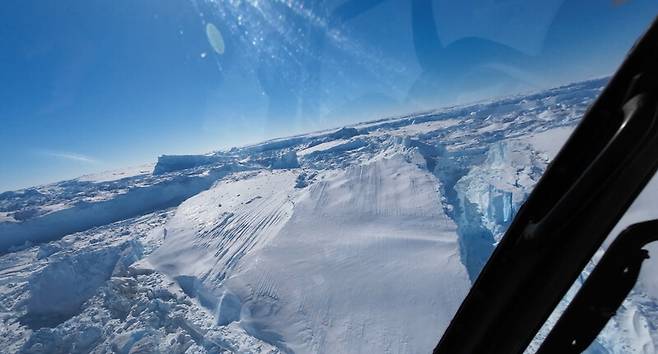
[
  {"x": 602, "y": 168},
  {"x": 603, "y": 292}
]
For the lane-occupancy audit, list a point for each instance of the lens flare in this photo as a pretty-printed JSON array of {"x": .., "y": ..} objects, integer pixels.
[{"x": 215, "y": 38}]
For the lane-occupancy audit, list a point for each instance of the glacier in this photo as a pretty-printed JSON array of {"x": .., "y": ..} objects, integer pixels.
[{"x": 361, "y": 238}]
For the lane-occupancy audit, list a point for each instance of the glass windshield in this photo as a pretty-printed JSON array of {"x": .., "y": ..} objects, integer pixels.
[{"x": 283, "y": 176}]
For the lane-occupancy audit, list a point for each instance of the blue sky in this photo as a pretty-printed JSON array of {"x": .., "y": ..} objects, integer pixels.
[{"x": 92, "y": 85}]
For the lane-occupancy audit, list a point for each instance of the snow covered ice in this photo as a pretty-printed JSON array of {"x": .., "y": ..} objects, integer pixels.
[{"x": 359, "y": 239}]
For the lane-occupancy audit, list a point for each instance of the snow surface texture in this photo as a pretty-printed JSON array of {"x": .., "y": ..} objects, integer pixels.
[{"x": 361, "y": 239}]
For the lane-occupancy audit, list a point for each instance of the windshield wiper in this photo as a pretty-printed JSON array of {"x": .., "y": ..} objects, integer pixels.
[
  {"x": 598, "y": 173},
  {"x": 603, "y": 292}
]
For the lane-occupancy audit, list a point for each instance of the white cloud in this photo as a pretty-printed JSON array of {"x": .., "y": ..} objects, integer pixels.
[{"x": 71, "y": 156}]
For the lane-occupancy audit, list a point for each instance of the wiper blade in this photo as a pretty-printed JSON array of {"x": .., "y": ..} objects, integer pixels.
[{"x": 595, "y": 177}]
